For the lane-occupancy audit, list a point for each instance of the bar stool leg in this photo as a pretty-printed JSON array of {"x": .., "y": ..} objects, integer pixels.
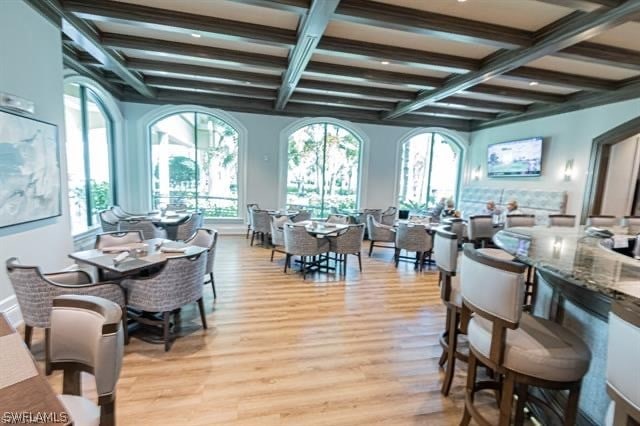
[
  {"x": 506, "y": 404},
  {"x": 571, "y": 412},
  {"x": 521, "y": 391},
  {"x": 452, "y": 329},
  {"x": 472, "y": 370}
]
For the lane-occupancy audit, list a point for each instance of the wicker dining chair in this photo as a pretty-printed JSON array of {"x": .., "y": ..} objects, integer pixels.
[
  {"x": 87, "y": 336},
  {"x": 148, "y": 228},
  {"x": 177, "y": 284},
  {"x": 207, "y": 238},
  {"x": 302, "y": 216},
  {"x": 187, "y": 228},
  {"x": 35, "y": 292},
  {"x": 346, "y": 243},
  {"x": 260, "y": 225},
  {"x": 298, "y": 242},
  {"x": 250, "y": 207},
  {"x": 414, "y": 238},
  {"x": 342, "y": 219},
  {"x": 277, "y": 234},
  {"x": 109, "y": 221},
  {"x": 379, "y": 233},
  {"x": 117, "y": 238},
  {"x": 389, "y": 216}
]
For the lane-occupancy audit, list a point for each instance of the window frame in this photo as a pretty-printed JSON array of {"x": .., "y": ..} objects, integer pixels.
[
  {"x": 240, "y": 132},
  {"x": 86, "y": 93},
  {"x": 325, "y": 121},
  {"x": 448, "y": 136}
]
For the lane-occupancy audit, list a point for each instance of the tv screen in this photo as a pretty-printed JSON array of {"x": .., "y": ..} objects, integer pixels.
[{"x": 515, "y": 158}]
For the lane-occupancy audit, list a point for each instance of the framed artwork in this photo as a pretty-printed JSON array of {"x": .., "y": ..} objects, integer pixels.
[{"x": 30, "y": 178}]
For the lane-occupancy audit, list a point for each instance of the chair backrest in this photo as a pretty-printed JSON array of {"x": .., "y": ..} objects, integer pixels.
[
  {"x": 413, "y": 237},
  {"x": 480, "y": 226},
  {"x": 86, "y": 331},
  {"x": 338, "y": 218},
  {"x": 389, "y": 216},
  {"x": 376, "y": 213},
  {"x": 119, "y": 212},
  {"x": 349, "y": 241},
  {"x": 623, "y": 375},
  {"x": 260, "y": 221},
  {"x": 178, "y": 283},
  {"x": 187, "y": 228},
  {"x": 297, "y": 241},
  {"x": 605, "y": 221},
  {"x": 148, "y": 229},
  {"x": 302, "y": 216},
  {"x": 108, "y": 220},
  {"x": 375, "y": 229},
  {"x": 277, "y": 229},
  {"x": 492, "y": 287},
  {"x": 631, "y": 222},
  {"x": 457, "y": 226},
  {"x": 250, "y": 207},
  {"x": 445, "y": 250},
  {"x": 117, "y": 238},
  {"x": 564, "y": 220},
  {"x": 514, "y": 220},
  {"x": 207, "y": 238},
  {"x": 32, "y": 291}
]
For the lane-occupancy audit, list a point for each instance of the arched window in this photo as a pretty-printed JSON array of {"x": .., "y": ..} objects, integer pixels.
[
  {"x": 194, "y": 160},
  {"x": 89, "y": 147},
  {"x": 430, "y": 171},
  {"x": 323, "y": 168}
]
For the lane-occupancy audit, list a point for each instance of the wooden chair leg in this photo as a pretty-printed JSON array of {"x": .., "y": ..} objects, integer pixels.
[
  {"x": 397, "y": 256},
  {"x": 452, "y": 347},
  {"x": 506, "y": 403},
  {"x": 472, "y": 370},
  {"x": 253, "y": 236},
  {"x": 213, "y": 285},
  {"x": 359, "y": 261},
  {"x": 304, "y": 269},
  {"x": 125, "y": 325},
  {"x": 47, "y": 351},
  {"x": 346, "y": 256},
  {"x": 108, "y": 413},
  {"x": 571, "y": 412},
  {"x": 273, "y": 250},
  {"x": 248, "y": 230},
  {"x": 71, "y": 382},
  {"x": 165, "y": 330},
  {"x": 28, "y": 334},
  {"x": 286, "y": 262},
  {"x": 521, "y": 391},
  {"x": 203, "y": 316},
  {"x": 370, "y": 248}
]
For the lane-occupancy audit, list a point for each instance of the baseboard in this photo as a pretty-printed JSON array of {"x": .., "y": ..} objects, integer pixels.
[{"x": 9, "y": 307}]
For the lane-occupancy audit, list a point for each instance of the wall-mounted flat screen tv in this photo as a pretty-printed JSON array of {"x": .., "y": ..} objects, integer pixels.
[{"x": 515, "y": 158}]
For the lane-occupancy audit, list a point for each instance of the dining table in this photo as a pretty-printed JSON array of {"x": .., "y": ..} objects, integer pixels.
[
  {"x": 25, "y": 394},
  {"x": 169, "y": 221},
  {"x": 280, "y": 213},
  {"x": 322, "y": 229},
  {"x": 142, "y": 256}
]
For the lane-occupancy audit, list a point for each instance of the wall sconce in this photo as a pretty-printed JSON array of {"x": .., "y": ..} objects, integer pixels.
[
  {"x": 477, "y": 172},
  {"x": 568, "y": 170}
]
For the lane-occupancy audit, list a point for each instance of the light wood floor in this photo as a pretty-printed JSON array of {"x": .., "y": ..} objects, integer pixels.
[{"x": 283, "y": 351}]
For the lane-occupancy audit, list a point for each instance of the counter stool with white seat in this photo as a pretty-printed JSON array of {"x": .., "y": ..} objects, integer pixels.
[
  {"x": 521, "y": 349},
  {"x": 565, "y": 220},
  {"x": 445, "y": 253},
  {"x": 480, "y": 229},
  {"x": 525, "y": 220},
  {"x": 623, "y": 375},
  {"x": 601, "y": 221}
]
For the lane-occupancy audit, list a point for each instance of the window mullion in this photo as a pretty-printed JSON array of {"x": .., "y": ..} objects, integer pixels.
[
  {"x": 85, "y": 144},
  {"x": 432, "y": 139},
  {"x": 195, "y": 143},
  {"x": 324, "y": 168}
]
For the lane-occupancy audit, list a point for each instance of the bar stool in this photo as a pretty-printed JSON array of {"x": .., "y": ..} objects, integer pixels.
[
  {"x": 445, "y": 254},
  {"x": 521, "y": 349},
  {"x": 601, "y": 221},
  {"x": 480, "y": 229},
  {"x": 565, "y": 220},
  {"x": 525, "y": 220},
  {"x": 623, "y": 375}
]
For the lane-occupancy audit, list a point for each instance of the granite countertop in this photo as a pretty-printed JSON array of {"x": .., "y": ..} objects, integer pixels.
[{"x": 580, "y": 260}]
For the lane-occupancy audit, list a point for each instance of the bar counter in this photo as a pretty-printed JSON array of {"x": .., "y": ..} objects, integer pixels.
[{"x": 578, "y": 277}]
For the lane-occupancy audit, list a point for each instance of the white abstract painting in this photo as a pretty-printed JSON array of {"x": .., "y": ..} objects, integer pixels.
[{"x": 29, "y": 170}]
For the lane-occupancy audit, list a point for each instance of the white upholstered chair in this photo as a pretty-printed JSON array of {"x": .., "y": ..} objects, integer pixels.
[
  {"x": 602, "y": 221},
  {"x": 562, "y": 220}
]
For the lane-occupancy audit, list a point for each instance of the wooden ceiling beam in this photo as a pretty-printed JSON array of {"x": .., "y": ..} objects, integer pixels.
[
  {"x": 431, "y": 24},
  {"x": 629, "y": 90},
  {"x": 313, "y": 98},
  {"x": 71, "y": 60},
  {"x": 86, "y": 37},
  {"x": 309, "y": 35},
  {"x": 480, "y": 104},
  {"x": 179, "y": 22},
  {"x": 188, "y": 70},
  {"x": 603, "y": 54},
  {"x": 206, "y": 86},
  {"x": 296, "y": 6},
  {"x": 561, "y": 79},
  {"x": 585, "y": 5},
  {"x": 144, "y": 44},
  {"x": 580, "y": 29}
]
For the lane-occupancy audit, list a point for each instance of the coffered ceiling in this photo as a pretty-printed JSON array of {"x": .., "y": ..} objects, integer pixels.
[{"x": 458, "y": 64}]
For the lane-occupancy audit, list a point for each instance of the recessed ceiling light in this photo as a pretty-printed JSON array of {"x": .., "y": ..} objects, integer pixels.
[
  {"x": 384, "y": 62},
  {"x": 461, "y": 1},
  {"x": 195, "y": 35},
  {"x": 533, "y": 83}
]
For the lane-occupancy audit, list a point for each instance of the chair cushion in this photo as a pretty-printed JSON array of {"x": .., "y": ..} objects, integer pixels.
[
  {"x": 83, "y": 411},
  {"x": 539, "y": 348},
  {"x": 495, "y": 252}
]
